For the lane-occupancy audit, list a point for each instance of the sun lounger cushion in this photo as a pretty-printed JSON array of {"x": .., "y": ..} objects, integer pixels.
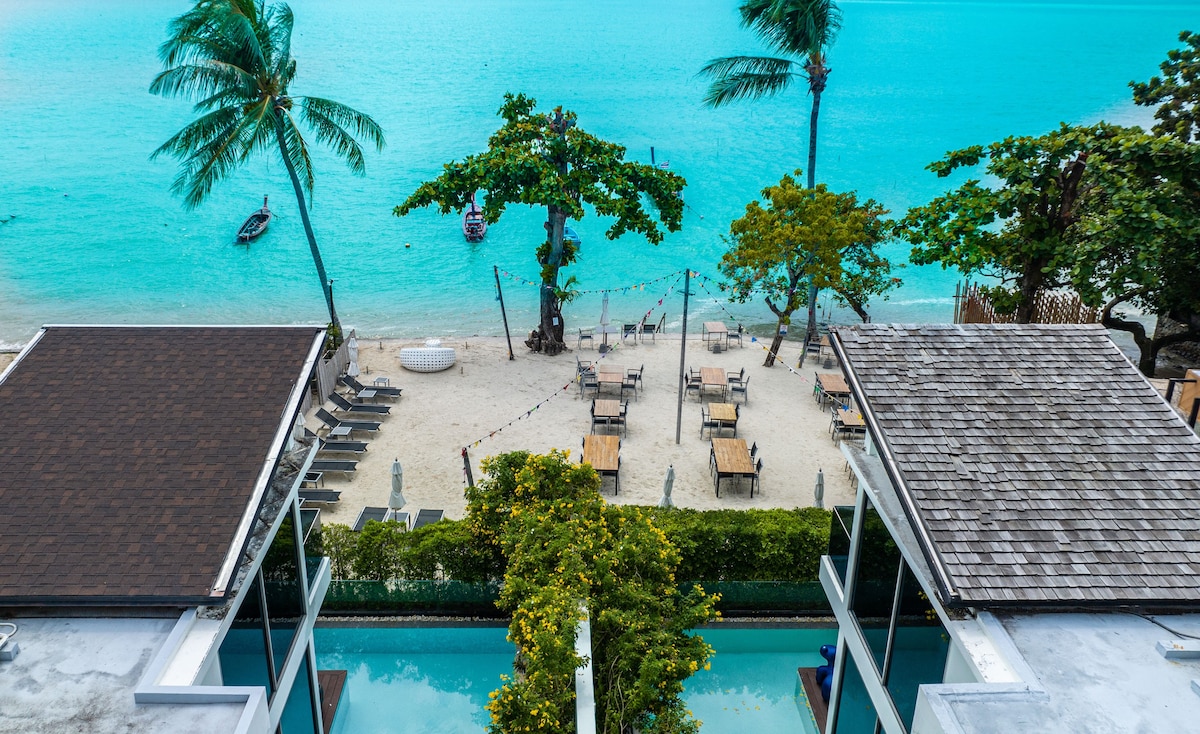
[
  {"x": 367, "y": 514},
  {"x": 346, "y": 405},
  {"x": 426, "y": 517}
]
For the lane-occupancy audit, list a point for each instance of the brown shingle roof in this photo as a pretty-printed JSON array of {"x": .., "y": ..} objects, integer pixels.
[
  {"x": 1044, "y": 467},
  {"x": 128, "y": 456}
]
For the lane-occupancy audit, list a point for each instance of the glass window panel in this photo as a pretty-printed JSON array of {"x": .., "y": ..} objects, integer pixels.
[
  {"x": 285, "y": 593},
  {"x": 875, "y": 583},
  {"x": 243, "y": 654},
  {"x": 311, "y": 533},
  {"x": 841, "y": 520},
  {"x": 298, "y": 717},
  {"x": 855, "y": 712},
  {"x": 919, "y": 650}
]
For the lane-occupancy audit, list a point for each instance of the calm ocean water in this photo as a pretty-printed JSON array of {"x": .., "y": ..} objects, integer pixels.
[{"x": 97, "y": 237}]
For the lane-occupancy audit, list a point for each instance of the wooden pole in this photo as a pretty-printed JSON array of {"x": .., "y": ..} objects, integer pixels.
[
  {"x": 504, "y": 315},
  {"x": 467, "y": 467},
  {"x": 687, "y": 283}
]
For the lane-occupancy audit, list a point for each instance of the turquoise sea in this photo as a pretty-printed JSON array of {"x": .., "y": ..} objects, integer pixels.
[{"x": 97, "y": 237}]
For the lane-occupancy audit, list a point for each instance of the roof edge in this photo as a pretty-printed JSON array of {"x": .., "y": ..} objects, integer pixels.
[{"x": 21, "y": 354}]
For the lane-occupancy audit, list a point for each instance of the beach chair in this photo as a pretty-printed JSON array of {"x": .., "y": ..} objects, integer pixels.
[
  {"x": 708, "y": 423},
  {"x": 630, "y": 383},
  {"x": 654, "y": 329},
  {"x": 629, "y": 330},
  {"x": 693, "y": 383},
  {"x": 367, "y": 514},
  {"x": 588, "y": 381},
  {"x": 740, "y": 387},
  {"x": 349, "y": 407},
  {"x": 425, "y": 517},
  {"x": 319, "y": 496},
  {"x": 588, "y": 334},
  {"x": 372, "y": 391},
  {"x": 341, "y": 447},
  {"x": 637, "y": 375},
  {"x": 344, "y": 427},
  {"x": 733, "y": 336},
  {"x": 328, "y": 465}
]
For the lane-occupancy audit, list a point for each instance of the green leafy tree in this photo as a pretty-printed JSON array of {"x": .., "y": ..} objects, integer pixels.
[
  {"x": 1024, "y": 231},
  {"x": 235, "y": 58},
  {"x": 801, "y": 29},
  {"x": 540, "y": 159},
  {"x": 1176, "y": 92},
  {"x": 804, "y": 236},
  {"x": 340, "y": 543},
  {"x": 378, "y": 551}
]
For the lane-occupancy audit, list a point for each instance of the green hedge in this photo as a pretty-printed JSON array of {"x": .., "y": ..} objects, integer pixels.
[{"x": 434, "y": 597}]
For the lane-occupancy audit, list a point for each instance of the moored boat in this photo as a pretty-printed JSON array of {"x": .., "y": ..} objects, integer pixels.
[
  {"x": 255, "y": 224},
  {"x": 473, "y": 225}
]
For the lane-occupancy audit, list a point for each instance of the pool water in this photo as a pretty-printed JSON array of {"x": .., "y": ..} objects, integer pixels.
[
  {"x": 427, "y": 680},
  {"x": 753, "y": 683}
]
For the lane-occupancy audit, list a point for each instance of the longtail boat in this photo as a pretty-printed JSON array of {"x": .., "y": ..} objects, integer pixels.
[
  {"x": 473, "y": 226},
  {"x": 255, "y": 224}
]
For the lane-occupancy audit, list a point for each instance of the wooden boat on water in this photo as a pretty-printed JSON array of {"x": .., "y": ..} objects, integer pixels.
[
  {"x": 569, "y": 235},
  {"x": 255, "y": 224},
  {"x": 473, "y": 225}
]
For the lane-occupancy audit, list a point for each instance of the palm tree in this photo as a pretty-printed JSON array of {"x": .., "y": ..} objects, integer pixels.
[
  {"x": 235, "y": 57},
  {"x": 804, "y": 29}
]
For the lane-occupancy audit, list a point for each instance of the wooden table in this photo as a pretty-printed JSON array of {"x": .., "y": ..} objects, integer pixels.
[
  {"x": 713, "y": 377},
  {"x": 610, "y": 374},
  {"x": 603, "y": 453},
  {"x": 604, "y": 367},
  {"x": 725, "y": 414},
  {"x": 831, "y": 385},
  {"x": 608, "y": 410},
  {"x": 846, "y": 421},
  {"x": 716, "y": 332},
  {"x": 733, "y": 460}
]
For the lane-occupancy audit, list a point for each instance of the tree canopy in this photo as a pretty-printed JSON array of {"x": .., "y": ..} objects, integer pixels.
[
  {"x": 545, "y": 159},
  {"x": 807, "y": 235},
  {"x": 235, "y": 58},
  {"x": 1176, "y": 92}
]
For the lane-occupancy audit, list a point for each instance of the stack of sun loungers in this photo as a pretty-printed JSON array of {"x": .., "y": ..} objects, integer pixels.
[{"x": 340, "y": 440}]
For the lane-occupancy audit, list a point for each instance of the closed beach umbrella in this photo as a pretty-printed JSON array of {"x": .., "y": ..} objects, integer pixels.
[
  {"x": 396, "y": 500},
  {"x": 667, "y": 485},
  {"x": 604, "y": 319},
  {"x": 819, "y": 490},
  {"x": 352, "y": 350}
]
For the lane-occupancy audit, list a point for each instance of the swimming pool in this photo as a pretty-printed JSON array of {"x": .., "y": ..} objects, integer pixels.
[
  {"x": 412, "y": 680},
  {"x": 753, "y": 682}
]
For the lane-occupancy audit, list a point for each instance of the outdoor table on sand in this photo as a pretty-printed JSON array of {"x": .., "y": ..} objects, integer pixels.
[
  {"x": 832, "y": 385},
  {"x": 610, "y": 374},
  {"x": 716, "y": 335},
  {"x": 725, "y": 414},
  {"x": 714, "y": 377},
  {"x": 609, "y": 410},
  {"x": 603, "y": 453},
  {"x": 733, "y": 460}
]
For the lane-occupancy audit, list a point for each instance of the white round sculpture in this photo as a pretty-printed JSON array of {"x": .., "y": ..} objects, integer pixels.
[{"x": 432, "y": 357}]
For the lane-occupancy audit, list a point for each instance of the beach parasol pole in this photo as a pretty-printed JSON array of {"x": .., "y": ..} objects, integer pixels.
[{"x": 687, "y": 283}]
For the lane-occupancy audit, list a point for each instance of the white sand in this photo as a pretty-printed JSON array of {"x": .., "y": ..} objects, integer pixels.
[{"x": 441, "y": 412}]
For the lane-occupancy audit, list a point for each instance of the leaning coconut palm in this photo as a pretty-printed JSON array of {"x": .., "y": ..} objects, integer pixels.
[
  {"x": 235, "y": 57},
  {"x": 801, "y": 28}
]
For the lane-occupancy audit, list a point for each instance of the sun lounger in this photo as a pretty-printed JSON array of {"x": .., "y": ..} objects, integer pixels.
[
  {"x": 426, "y": 517},
  {"x": 367, "y": 514},
  {"x": 319, "y": 496},
  {"x": 343, "y": 447},
  {"x": 328, "y": 465},
  {"x": 349, "y": 425},
  {"x": 349, "y": 407},
  {"x": 373, "y": 390}
]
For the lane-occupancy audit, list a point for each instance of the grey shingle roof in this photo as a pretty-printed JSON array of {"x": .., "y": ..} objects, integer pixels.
[
  {"x": 1044, "y": 467},
  {"x": 128, "y": 456}
]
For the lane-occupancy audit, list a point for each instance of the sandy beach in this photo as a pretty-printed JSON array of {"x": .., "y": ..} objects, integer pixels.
[{"x": 441, "y": 412}]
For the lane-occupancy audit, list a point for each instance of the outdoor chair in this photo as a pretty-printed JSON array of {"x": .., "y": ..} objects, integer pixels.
[
  {"x": 589, "y": 381},
  {"x": 328, "y": 465},
  {"x": 740, "y": 387},
  {"x": 349, "y": 407},
  {"x": 380, "y": 390},
  {"x": 630, "y": 383},
  {"x": 693, "y": 383},
  {"x": 754, "y": 479},
  {"x": 706, "y": 422},
  {"x": 425, "y": 517},
  {"x": 319, "y": 496},
  {"x": 637, "y": 375},
  {"x": 342, "y": 447},
  {"x": 350, "y": 425},
  {"x": 595, "y": 420},
  {"x": 582, "y": 367},
  {"x": 629, "y": 330},
  {"x": 654, "y": 329},
  {"x": 753, "y": 449},
  {"x": 367, "y": 514},
  {"x": 589, "y": 335},
  {"x": 736, "y": 335},
  {"x": 735, "y": 377}
]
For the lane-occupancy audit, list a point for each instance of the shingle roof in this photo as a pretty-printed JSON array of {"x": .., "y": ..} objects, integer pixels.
[
  {"x": 1044, "y": 467},
  {"x": 128, "y": 456}
]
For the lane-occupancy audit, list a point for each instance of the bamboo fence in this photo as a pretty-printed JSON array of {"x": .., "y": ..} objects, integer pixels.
[{"x": 972, "y": 306}]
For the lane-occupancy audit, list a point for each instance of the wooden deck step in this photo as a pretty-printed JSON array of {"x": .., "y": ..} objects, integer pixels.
[
  {"x": 820, "y": 709},
  {"x": 331, "y": 683}
]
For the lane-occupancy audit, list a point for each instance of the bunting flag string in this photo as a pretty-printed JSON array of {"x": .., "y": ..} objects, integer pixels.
[
  {"x": 621, "y": 289},
  {"x": 702, "y": 280},
  {"x": 564, "y": 388},
  {"x": 780, "y": 360}
]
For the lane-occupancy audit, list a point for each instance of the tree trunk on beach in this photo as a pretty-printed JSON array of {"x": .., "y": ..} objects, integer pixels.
[
  {"x": 308, "y": 230},
  {"x": 818, "y": 74},
  {"x": 551, "y": 327}
]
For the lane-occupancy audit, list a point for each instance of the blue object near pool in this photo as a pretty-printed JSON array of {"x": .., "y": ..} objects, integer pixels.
[{"x": 414, "y": 679}]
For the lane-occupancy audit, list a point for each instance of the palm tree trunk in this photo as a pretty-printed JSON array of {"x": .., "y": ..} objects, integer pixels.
[
  {"x": 817, "y": 74},
  {"x": 308, "y": 230}
]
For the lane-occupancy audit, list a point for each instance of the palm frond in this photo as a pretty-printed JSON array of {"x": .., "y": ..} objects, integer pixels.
[
  {"x": 746, "y": 77},
  {"x": 200, "y": 133},
  {"x": 361, "y": 125},
  {"x": 198, "y": 79},
  {"x": 213, "y": 161},
  {"x": 296, "y": 150},
  {"x": 793, "y": 26},
  {"x": 281, "y": 38}
]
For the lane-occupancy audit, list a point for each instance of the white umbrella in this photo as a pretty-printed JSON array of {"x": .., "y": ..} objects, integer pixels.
[
  {"x": 604, "y": 321},
  {"x": 667, "y": 485},
  {"x": 352, "y": 350},
  {"x": 396, "y": 500},
  {"x": 819, "y": 490}
]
